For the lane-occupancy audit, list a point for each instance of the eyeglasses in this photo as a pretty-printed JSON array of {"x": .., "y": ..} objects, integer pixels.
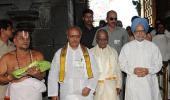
[
  {"x": 102, "y": 40},
  {"x": 111, "y": 18},
  {"x": 140, "y": 31}
]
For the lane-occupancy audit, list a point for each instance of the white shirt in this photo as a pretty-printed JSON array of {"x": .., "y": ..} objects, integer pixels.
[
  {"x": 4, "y": 48},
  {"x": 162, "y": 42}
]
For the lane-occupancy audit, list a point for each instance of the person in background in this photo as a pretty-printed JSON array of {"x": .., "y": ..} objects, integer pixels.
[
  {"x": 6, "y": 29},
  {"x": 131, "y": 36},
  {"x": 74, "y": 67},
  {"x": 110, "y": 79},
  {"x": 148, "y": 36},
  {"x": 161, "y": 41},
  {"x": 141, "y": 60},
  {"x": 102, "y": 23},
  {"x": 153, "y": 32},
  {"x": 167, "y": 34},
  {"x": 88, "y": 30},
  {"x": 119, "y": 23}
]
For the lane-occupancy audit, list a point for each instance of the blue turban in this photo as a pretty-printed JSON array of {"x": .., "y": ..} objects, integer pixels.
[{"x": 141, "y": 21}]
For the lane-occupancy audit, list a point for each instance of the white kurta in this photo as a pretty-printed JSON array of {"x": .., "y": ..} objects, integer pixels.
[
  {"x": 109, "y": 73},
  {"x": 141, "y": 54},
  {"x": 75, "y": 76},
  {"x": 29, "y": 89},
  {"x": 162, "y": 42}
]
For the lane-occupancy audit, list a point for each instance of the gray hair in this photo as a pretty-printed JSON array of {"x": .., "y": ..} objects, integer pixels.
[{"x": 101, "y": 30}]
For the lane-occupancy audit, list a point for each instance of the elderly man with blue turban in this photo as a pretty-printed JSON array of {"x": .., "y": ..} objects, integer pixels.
[{"x": 141, "y": 60}]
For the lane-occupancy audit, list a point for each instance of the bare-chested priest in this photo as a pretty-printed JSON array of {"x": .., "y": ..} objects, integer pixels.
[{"x": 29, "y": 87}]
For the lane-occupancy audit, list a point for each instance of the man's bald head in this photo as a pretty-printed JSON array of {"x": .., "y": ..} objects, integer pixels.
[
  {"x": 73, "y": 28},
  {"x": 74, "y": 35},
  {"x": 102, "y": 38}
]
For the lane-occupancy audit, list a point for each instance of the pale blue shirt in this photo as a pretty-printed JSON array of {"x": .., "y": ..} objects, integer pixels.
[{"x": 117, "y": 38}]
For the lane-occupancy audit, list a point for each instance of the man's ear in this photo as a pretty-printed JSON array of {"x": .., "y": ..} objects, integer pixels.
[
  {"x": 107, "y": 19},
  {"x": 1, "y": 31},
  {"x": 83, "y": 18},
  {"x": 97, "y": 41},
  {"x": 67, "y": 34}
]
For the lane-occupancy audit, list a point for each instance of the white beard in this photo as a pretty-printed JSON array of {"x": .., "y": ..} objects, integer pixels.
[{"x": 139, "y": 39}]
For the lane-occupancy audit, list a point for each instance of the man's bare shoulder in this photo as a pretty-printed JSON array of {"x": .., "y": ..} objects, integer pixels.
[{"x": 8, "y": 56}]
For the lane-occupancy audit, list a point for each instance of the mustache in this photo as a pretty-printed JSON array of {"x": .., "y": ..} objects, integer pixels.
[{"x": 113, "y": 22}]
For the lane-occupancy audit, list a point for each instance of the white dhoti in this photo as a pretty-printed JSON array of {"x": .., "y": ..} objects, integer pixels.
[
  {"x": 29, "y": 89},
  {"x": 106, "y": 90}
]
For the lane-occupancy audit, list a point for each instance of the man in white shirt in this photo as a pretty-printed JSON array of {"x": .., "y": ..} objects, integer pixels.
[
  {"x": 109, "y": 82},
  {"x": 141, "y": 60},
  {"x": 6, "y": 28},
  {"x": 161, "y": 40},
  {"x": 74, "y": 67}
]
